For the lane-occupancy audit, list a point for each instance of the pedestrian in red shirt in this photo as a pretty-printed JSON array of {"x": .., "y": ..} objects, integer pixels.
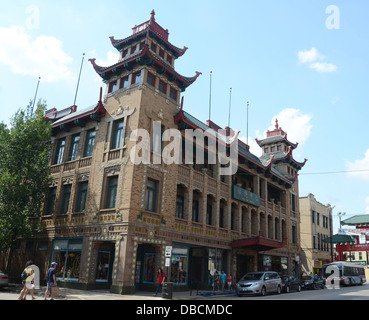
[{"x": 161, "y": 279}]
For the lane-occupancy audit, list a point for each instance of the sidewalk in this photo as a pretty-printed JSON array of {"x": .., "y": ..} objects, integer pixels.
[{"x": 75, "y": 294}]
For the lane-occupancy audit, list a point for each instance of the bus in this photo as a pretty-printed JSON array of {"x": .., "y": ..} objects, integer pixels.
[{"x": 346, "y": 273}]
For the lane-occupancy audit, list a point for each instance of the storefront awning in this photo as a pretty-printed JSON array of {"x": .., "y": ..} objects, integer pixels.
[{"x": 259, "y": 243}]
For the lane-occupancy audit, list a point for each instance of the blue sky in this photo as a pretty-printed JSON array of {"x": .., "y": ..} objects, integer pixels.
[{"x": 282, "y": 56}]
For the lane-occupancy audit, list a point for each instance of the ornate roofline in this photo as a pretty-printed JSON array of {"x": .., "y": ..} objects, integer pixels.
[
  {"x": 144, "y": 57},
  {"x": 150, "y": 26}
]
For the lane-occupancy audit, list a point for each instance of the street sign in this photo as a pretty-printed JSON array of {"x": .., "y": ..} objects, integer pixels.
[{"x": 168, "y": 251}]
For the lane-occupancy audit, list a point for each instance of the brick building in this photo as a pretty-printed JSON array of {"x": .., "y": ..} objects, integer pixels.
[{"x": 108, "y": 221}]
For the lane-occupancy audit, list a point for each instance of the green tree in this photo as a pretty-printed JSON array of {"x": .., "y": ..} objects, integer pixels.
[{"x": 24, "y": 175}]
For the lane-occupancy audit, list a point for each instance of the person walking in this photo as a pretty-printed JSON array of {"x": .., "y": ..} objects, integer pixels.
[
  {"x": 229, "y": 281},
  {"x": 160, "y": 279},
  {"x": 27, "y": 281},
  {"x": 51, "y": 280},
  {"x": 223, "y": 277}
]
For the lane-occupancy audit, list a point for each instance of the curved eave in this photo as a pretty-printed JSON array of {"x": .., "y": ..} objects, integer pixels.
[
  {"x": 265, "y": 142},
  {"x": 119, "y": 44},
  {"x": 144, "y": 57},
  {"x": 81, "y": 119}
]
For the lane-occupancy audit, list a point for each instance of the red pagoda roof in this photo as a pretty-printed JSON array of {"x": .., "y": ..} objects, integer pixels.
[
  {"x": 155, "y": 30},
  {"x": 144, "y": 56}
]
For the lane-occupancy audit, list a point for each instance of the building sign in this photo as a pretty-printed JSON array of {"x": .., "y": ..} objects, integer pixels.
[
  {"x": 245, "y": 196},
  {"x": 168, "y": 251}
]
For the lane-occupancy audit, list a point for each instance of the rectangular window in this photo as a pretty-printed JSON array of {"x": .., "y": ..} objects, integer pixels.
[
  {"x": 118, "y": 134},
  {"x": 151, "y": 195},
  {"x": 111, "y": 192},
  {"x": 133, "y": 49},
  {"x": 59, "y": 151},
  {"x": 169, "y": 59},
  {"x": 153, "y": 47},
  {"x": 173, "y": 93},
  {"x": 317, "y": 218},
  {"x": 179, "y": 208},
  {"x": 312, "y": 216},
  {"x": 65, "y": 198},
  {"x": 112, "y": 86},
  {"x": 136, "y": 78},
  {"x": 161, "y": 53},
  {"x": 123, "y": 83},
  {"x": 293, "y": 203},
  {"x": 90, "y": 142},
  {"x": 195, "y": 210},
  {"x": 81, "y": 196},
  {"x": 209, "y": 214},
  {"x": 50, "y": 204},
  {"x": 162, "y": 87},
  {"x": 221, "y": 217},
  {"x": 124, "y": 53},
  {"x": 294, "y": 234},
  {"x": 151, "y": 79},
  {"x": 73, "y": 148}
]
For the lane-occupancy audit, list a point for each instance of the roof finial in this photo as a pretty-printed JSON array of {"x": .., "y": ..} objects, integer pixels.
[
  {"x": 276, "y": 123},
  {"x": 152, "y": 18}
]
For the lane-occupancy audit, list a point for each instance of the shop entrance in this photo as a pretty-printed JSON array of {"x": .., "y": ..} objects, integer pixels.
[
  {"x": 104, "y": 263},
  {"x": 245, "y": 264}
]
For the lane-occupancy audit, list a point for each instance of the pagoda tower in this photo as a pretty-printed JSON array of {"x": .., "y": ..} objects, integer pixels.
[{"x": 277, "y": 150}]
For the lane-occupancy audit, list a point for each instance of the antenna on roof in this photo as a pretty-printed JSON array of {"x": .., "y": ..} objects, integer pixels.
[
  {"x": 79, "y": 77},
  {"x": 247, "y": 124},
  {"x": 34, "y": 100},
  {"x": 211, "y": 73},
  {"x": 229, "y": 111}
]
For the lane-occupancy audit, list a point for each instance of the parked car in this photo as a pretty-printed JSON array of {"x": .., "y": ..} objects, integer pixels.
[
  {"x": 312, "y": 282},
  {"x": 262, "y": 282},
  {"x": 3, "y": 279},
  {"x": 290, "y": 283}
]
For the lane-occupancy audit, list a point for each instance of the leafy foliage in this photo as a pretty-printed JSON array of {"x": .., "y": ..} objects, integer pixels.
[{"x": 24, "y": 176}]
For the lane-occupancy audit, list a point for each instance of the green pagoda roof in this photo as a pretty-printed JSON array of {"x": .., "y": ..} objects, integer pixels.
[
  {"x": 340, "y": 238},
  {"x": 360, "y": 219}
]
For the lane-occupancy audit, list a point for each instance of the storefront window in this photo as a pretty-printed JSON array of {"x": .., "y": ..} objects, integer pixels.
[
  {"x": 179, "y": 265},
  {"x": 67, "y": 254}
]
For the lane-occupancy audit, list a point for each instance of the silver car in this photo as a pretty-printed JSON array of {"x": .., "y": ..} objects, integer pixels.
[
  {"x": 3, "y": 279},
  {"x": 259, "y": 283}
]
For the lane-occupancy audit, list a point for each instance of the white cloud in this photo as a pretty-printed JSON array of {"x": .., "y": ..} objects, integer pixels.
[
  {"x": 42, "y": 56},
  {"x": 311, "y": 56},
  {"x": 323, "y": 67},
  {"x": 292, "y": 121},
  {"x": 359, "y": 168}
]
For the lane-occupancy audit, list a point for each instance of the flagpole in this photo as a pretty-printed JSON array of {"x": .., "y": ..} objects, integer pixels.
[
  {"x": 211, "y": 72},
  {"x": 79, "y": 77},
  {"x": 229, "y": 112},
  {"x": 34, "y": 100},
  {"x": 247, "y": 134}
]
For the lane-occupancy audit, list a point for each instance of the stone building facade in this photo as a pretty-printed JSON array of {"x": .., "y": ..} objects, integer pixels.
[
  {"x": 316, "y": 226},
  {"x": 112, "y": 222}
]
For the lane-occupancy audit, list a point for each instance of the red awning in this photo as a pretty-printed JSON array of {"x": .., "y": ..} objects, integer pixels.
[{"x": 259, "y": 243}]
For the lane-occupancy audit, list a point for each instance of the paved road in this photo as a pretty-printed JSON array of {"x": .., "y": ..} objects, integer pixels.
[{"x": 343, "y": 293}]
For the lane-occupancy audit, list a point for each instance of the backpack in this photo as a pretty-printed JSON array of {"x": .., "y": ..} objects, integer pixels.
[{"x": 24, "y": 275}]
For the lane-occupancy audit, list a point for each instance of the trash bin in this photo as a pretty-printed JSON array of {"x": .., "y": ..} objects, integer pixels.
[{"x": 167, "y": 290}]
